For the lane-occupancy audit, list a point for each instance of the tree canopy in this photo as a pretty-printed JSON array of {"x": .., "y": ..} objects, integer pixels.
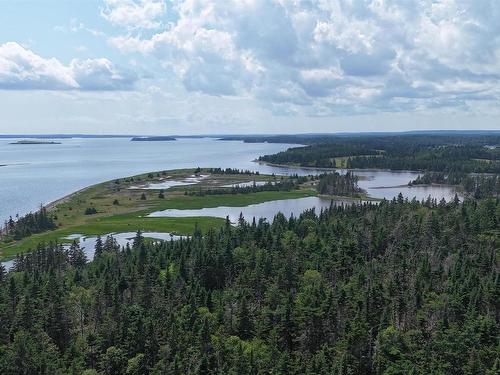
[{"x": 399, "y": 287}]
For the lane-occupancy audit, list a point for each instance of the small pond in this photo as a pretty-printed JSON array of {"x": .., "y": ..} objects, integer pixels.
[{"x": 265, "y": 210}]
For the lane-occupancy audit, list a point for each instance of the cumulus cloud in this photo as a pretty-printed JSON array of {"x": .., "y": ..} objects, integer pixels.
[
  {"x": 22, "y": 69},
  {"x": 332, "y": 57},
  {"x": 134, "y": 14}
]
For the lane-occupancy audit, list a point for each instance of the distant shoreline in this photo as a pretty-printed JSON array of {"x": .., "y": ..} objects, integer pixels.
[
  {"x": 153, "y": 139},
  {"x": 52, "y": 204},
  {"x": 29, "y": 142},
  {"x": 333, "y": 168}
]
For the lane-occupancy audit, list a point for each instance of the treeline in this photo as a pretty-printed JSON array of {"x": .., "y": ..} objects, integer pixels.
[
  {"x": 438, "y": 154},
  {"x": 286, "y": 185},
  {"x": 477, "y": 186},
  {"x": 395, "y": 288},
  {"x": 429, "y": 178},
  {"x": 339, "y": 184},
  {"x": 318, "y": 155},
  {"x": 487, "y": 138},
  {"x": 446, "y": 158},
  {"x": 228, "y": 171},
  {"x": 24, "y": 226}
]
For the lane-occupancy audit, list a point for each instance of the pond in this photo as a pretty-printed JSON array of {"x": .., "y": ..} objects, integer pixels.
[{"x": 265, "y": 210}]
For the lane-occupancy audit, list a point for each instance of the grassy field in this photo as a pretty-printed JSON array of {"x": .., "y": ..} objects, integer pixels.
[{"x": 121, "y": 207}]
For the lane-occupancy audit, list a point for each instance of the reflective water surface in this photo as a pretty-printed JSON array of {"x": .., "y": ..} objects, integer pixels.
[{"x": 265, "y": 210}]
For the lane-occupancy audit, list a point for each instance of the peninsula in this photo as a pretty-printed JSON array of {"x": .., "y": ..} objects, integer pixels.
[
  {"x": 35, "y": 142},
  {"x": 153, "y": 139}
]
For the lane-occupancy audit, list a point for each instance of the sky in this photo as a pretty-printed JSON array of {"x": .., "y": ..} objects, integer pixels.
[{"x": 248, "y": 66}]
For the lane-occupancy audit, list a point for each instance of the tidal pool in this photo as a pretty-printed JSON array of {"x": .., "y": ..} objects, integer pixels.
[
  {"x": 167, "y": 184},
  {"x": 246, "y": 184}
]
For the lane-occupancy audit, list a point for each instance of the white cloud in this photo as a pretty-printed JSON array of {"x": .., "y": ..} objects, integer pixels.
[
  {"x": 332, "y": 57},
  {"x": 22, "y": 69},
  {"x": 134, "y": 14},
  {"x": 100, "y": 74}
]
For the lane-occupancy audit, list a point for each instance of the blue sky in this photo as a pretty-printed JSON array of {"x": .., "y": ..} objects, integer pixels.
[{"x": 248, "y": 66}]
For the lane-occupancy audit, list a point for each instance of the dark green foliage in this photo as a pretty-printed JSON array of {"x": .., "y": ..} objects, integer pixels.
[
  {"x": 90, "y": 211},
  {"x": 28, "y": 224},
  {"x": 439, "y": 153},
  {"x": 395, "y": 288},
  {"x": 231, "y": 171},
  {"x": 76, "y": 256},
  {"x": 319, "y": 155},
  {"x": 286, "y": 185},
  {"x": 339, "y": 184}
]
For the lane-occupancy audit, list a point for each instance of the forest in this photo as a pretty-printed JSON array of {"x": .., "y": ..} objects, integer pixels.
[
  {"x": 399, "y": 287},
  {"x": 337, "y": 184},
  {"x": 24, "y": 226},
  {"x": 484, "y": 137},
  {"x": 285, "y": 185},
  {"x": 456, "y": 154}
]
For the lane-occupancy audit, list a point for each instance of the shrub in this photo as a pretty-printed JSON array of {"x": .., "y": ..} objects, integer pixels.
[{"x": 90, "y": 211}]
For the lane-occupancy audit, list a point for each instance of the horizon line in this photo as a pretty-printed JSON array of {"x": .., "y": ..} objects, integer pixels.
[{"x": 217, "y": 135}]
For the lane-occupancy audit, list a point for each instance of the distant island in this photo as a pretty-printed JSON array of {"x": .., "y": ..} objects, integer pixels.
[
  {"x": 34, "y": 142},
  {"x": 152, "y": 139}
]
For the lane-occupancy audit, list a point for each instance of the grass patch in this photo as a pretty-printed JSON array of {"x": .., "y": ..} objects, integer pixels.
[{"x": 341, "y": 161}]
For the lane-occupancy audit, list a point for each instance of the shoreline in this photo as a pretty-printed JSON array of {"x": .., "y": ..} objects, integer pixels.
[
  {"x": 175, "y": 225},
  {"x": 359, "y": 200},
  {"x": 433, "y": 184},
  {"x": 51, "y": 205},
  {"x": 332, "y": 168}
]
